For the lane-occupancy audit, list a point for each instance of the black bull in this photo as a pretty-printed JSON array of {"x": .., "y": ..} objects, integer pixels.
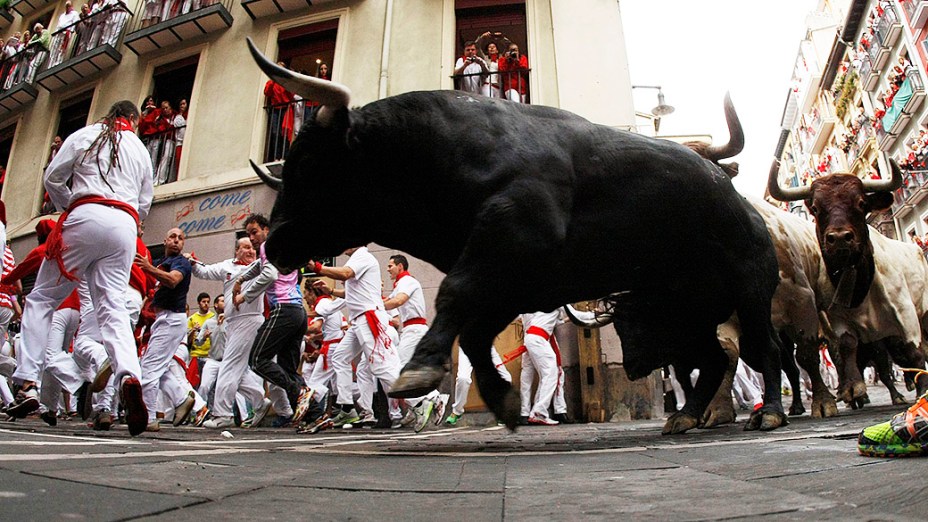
[{"x": 526, "y": 208}]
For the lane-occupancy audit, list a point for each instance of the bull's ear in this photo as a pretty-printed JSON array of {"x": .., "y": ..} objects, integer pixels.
[{"x": 879, "y": 201}]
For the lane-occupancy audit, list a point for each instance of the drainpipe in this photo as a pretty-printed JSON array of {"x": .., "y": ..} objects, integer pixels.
[{"x": 385, "y": 54}]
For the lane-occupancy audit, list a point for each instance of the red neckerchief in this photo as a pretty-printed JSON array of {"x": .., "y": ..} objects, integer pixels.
[
  {"x": 122, "y": 124},
  {"x": 237, "y": 262},
  {"x": 399, "y": 276}
]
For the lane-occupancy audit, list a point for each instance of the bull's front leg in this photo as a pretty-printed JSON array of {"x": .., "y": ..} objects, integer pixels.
[
  {"x": 792, "y": 373},
  {"x": 431, "y": 360},
  {"x": 712, "y": 363},
  {"x": 823, "y": 402},
  {"x": 761, "y": 351},
  {"x": 851, "y": 389},
  {"x": 721, "y": 410}
]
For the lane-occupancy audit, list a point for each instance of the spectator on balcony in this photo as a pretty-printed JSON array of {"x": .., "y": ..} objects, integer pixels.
[
  {"x": 514, "y": 67},
  {"x": 164, "y": 168},
  {"x": 489, "y": 51},
  {"x": 180, "y": 129},
  {"x": 98, "y": 23},
  {"x": 115, "y": 19},
  {"x": 38, "y": 48},
  {"x": 67, "y": 25},
  {"x": 84, "y": 30},
  {"x": 148, "y": 129},
  {"x": 470, "y": 69},
  {"x": 280, "y": 126},
  {"x": 151, "y": 13},
  {"x": 10, "y": 48}
]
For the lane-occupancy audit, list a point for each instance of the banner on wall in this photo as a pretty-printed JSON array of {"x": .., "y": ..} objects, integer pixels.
[{"x": 213, "y": 212}]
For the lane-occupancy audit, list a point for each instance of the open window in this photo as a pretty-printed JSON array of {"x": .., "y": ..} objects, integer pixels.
[
  {"x": 310, "y": 50},
  {"x": 163, "y": 124},
  {"x": 509, "y": 73},
  {"x": 72, "y": 116},
  {"x": 6, "y": 145}
]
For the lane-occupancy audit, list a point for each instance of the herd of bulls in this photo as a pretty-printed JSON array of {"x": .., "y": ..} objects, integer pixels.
[{"x": 525, "y": 208}]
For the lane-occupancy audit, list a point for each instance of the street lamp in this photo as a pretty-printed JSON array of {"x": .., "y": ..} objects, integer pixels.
[{"x": 662, "y": 108}]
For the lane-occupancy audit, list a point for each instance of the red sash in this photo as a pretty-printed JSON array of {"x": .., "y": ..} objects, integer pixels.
[
  {"x": 55, "y": 247},
  {"x": 533, "y": 330},
  {"x": 381, "y": 338},
  {"x": 324, "y": 352},
  {"x": 414, "y": 320}
]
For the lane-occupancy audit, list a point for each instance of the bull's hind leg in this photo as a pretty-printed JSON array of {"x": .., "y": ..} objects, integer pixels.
[
  {"x": 760, "y": 349},
  {"x": 823, "y": 402},
  {"x": 499, "y": 395},
  {"x": 711, "y": 360},
  {"x": 792, "y": 373},
  {"x": 721, "y": 410}
]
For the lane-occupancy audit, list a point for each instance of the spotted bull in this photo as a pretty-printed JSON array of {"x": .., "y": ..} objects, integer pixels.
[
  {"x": 524, "y": 208},
  {"x": 880, "y": 285}
]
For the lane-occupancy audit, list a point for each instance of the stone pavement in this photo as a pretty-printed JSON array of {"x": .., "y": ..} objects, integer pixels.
[{"x": 808, "y": 470}]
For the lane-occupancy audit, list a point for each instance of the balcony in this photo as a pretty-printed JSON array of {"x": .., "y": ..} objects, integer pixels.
[
  {"x": 869, "y": 78},
  {"x": 6, "y": 19},
  {"x": 822, "y": 125},
  {"x": 878, "y": 53},
  {"x": 259, "y": 8},
  {"x": 918, "y": 13},
  {"x": 513, "y": 82},
  {"x": 164, "y": 144},
  {"x": 913, "y": 190},
  {"x": 85, "y": 49},
  {"x": 907, "y": 100},
  {"x": 889, "y": 26},
  {"x": 172, "y": 25},
  {"x": 16, "y": 88},
  {"x": 916, "y": 86},
  {"x": 28, "y": 7},
  {"x": 885, "y": 140}
]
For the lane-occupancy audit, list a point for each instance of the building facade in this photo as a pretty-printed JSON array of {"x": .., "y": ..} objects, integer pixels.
[{"x": 191, "y": 55}]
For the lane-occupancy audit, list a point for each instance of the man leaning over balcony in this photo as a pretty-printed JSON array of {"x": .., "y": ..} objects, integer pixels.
[
  {"x": 39, "y": 44},
  {"x": 470, "y": 70},
  {"x": 67, "y": 23}
]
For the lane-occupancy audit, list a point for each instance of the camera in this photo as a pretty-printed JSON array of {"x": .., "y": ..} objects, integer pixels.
[
  {"x": 513, "y": 55},
  {"x": 472, "y": 59}
]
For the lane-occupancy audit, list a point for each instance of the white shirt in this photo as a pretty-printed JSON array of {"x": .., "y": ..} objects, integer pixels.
[
  {"x": 414, "y": 307},
  {"x": 228, "y": 271},
  {"x": 65, "y": 20},
  {"x": 130, "y": 182},
  {"x": 362, "y": 292},
  {"x": 329, "y": 310},
  {"x": 181, "y": 125},
  {"x": 470, "y": 83},
  {"x": 2, "y": 244},
  {"x": 544, "y": 320}
]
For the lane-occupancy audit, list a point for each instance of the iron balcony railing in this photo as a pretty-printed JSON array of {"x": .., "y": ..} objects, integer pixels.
[
  {"x": 151, "y": 13},
  {"x": 887, "y": 20},
  {"x": 503, "y": 84},
  {"x": 283, "y": 123},
  {"x": 105, "y": 27},
  {"x": 912, "y": 181},
  {"x": 21, "y": 67}
]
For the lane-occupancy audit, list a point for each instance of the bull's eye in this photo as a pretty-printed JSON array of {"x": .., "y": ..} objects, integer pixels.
[
  {"x": 862, "y": 205},
  {"x": 813, "y": 209}
]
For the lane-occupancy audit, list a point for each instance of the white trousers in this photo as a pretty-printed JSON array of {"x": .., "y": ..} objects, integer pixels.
[
  {"x": 208, "y": 378},
  {"x": 61, "y": 370},
  {"x": 134, "y": 303},
  {"x": 234, "y": 373},
  {"x": 746, "y": 390},
  {"x": 382, "y": 362},
  {"x": 167, "y": 332},
  {"x": 101, "y": 244},
  {"x": 409, "y": 339},
  {"x": 89, "y": 352},
  {"x": 463, "y": 379},
  {"x": 539, "y": 357}
]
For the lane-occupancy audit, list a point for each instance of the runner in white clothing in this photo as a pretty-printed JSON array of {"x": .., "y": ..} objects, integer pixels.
[
  {"x": 102, "y": 175},
  {"x": 408, "y": 300},
  {"x": 367, "y": 334}
]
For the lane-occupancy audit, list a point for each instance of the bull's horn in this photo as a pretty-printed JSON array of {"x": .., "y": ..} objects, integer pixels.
[
  {"x": 267, "y": 177},
  {"x": 736, "y": 134},
  {"x": 885, "y": 185},
  {"x": 330, "y": 95},
  {"x": 783, "y": 193},
  {"x": 596, "y": 322}
]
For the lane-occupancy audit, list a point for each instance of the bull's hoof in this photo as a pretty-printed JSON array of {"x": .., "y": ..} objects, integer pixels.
[
  {"x": 718, "y": 413},
  {"x": 679, "y": 423},
  {"x": 766, "y": 420},
  {"x": 796, "y": 408},
  {"x": 824, "y": 407},
  {"x": 859, "y": 403},
  {"x": 508, "y": 412},
  {"x": 899, "y": 400},
  {"x": 417, "y": 382},
  {"x": 853, "y": 393}
]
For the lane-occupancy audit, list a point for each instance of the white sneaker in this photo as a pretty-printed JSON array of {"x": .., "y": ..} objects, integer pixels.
[
  {"x": 219, "y": 422},
  {"x": 259, "y": 413},
  {"x": 440, "y": 408}
]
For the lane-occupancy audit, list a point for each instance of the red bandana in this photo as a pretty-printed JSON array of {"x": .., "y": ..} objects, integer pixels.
[
  {"x": 122, "y": 124},
  {"x": 399, "y": 276}
]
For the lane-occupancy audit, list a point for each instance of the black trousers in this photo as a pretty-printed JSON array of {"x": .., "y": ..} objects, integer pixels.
[{"x": 280, "y": 336}]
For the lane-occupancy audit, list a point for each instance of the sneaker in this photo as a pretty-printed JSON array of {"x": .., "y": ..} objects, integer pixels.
[
  {"x": 136, "y": 412},
  {"x": 322, "y": 423},
  {"x": 302, "y": 405},
  {"x": 905, "y": 435},
  {"x": 84, "y": 402},
  {"x": 197, "y": 419},
  {"x": 562, "y": 418},
  {"x": 153, "y": 426},
  {"x": 345, "y": 417},
  {"x": 219, "y": 423},
  {"x": 49, "y": 417},
  {"x": 396, "y": 424},
  {"x": 523, "y": 420},
  {"x": 423, "y": 413},
  {"x": 26, "y": 402},
  {"x": 367, "y": 420},
  {"x": 102, "y": 421},
  {"x": 182, "y": 411},
  {"x": 453, "y": 419},
  {"x": 102, "y": 377},
  {"x": 542, "y": 421},
  {"x": 439, "y": 412},
  {"x": 409, "y": 418},
  {"x": 259, "y": 413}
]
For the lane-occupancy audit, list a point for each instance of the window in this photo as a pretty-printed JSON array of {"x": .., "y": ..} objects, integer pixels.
[
  {"x": 163, "y": 124},
  {"x": 476, "y": 17},
  {"x": 310, "y": 50},
  {"x": 6, "y": 144},
  {"x": 71, "y": 117}
]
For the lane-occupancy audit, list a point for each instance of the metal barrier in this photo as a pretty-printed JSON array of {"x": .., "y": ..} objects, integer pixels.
[
  {"x": 164, "y": 148},
  {"x": 15, "y": 69},
  {"x": 104, "y": 27},
  {"x": 283, "y": 123},
  {"x": 153, "y": 12},
  {"x": 511, "y": 85}
]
